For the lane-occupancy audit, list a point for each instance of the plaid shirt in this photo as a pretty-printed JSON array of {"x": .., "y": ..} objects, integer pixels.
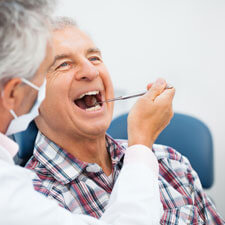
[{"x": 84, "y": 188}]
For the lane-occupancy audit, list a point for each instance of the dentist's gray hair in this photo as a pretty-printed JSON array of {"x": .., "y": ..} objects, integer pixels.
[{"x": 24, "y": 33}]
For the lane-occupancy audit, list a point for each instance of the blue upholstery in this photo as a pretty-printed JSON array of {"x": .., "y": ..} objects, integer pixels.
[
  {"x": 188, "y": 135},
  {"x": 25, "y": 140}
]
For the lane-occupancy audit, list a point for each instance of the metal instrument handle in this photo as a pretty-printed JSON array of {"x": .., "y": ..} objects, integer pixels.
[{"x": 130, "y": 96}]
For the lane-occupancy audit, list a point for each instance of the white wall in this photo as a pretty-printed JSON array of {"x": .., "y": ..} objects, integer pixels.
[{"x": 180, "y": 40}]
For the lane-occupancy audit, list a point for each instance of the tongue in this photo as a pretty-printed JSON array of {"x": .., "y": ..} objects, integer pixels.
[
  {"x": 86, "y": 102},
  {"x": 81, "y": 104},
  {"x": 90, "y": 100}
]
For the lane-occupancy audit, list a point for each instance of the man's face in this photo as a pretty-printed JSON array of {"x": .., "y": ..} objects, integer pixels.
[{"x": 76, "y": 80}]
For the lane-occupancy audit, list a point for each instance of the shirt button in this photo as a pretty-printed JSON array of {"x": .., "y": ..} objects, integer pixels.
[{"x": 93, "y": 168}]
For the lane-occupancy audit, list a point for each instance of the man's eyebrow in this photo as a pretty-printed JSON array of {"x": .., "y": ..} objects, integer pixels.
[
  {"x": 58, "y": 57},
  {"x": 94, "y": 50}
]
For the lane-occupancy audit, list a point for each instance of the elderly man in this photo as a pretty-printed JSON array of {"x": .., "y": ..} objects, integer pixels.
[
  {"x": 24, "y": 35},
  {"x": 77, "y": 163}
]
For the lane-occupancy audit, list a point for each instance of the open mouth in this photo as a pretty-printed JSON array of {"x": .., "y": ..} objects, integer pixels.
[{"x": 89, "y": 101}]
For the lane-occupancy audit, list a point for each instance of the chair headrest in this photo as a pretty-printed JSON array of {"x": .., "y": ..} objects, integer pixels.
[{"x": 26, "y": 140}]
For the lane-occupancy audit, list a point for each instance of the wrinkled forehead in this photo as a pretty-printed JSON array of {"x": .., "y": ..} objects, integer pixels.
[{"x": 71, "y": 39}]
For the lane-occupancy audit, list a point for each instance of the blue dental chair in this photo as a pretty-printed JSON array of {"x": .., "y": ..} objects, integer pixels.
[
  {"x": 25, "y": 140},
  {"x": 188, "y": 135}
]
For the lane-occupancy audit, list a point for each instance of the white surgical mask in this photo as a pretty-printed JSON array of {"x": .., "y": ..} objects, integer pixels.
[{"x": 20, "y": 123}]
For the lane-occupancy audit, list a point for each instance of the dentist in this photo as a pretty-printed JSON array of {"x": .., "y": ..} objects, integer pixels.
[{"x": 25, "y": 56}]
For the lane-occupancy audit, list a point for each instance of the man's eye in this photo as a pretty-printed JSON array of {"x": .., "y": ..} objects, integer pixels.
[
  {"x": 64, "y": 65},
  {"x": 94, "y": 58}
]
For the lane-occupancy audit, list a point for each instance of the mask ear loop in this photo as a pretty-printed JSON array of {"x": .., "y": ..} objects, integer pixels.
[
  {"x": 30, "y": 84},
  {"x": 13, "y": 113}
]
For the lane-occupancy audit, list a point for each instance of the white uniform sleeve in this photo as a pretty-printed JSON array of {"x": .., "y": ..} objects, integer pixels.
[
  {"x": 134, "y": 194},
  {"x": 135, "y": 199}
]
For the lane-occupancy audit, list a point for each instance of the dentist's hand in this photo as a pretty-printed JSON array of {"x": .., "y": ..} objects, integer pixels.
[{"x": 150, "y": 114}]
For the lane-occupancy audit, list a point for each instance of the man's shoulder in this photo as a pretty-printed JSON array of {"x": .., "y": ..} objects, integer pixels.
[
  {"x": 167, "y": 152},
  {"x": 167, "y": 157},
  {"x": 162, "y": 152},
  {"x": 38, "y": 168},
  {"x": 172, "y": 161},
  {"x": 43, "y": 179}
]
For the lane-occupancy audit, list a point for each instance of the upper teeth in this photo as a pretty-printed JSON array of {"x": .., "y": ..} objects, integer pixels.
[{"x": 88, "y": 93}]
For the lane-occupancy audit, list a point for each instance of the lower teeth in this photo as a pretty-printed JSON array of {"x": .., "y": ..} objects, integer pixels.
[{"x": 95, "y": 108}]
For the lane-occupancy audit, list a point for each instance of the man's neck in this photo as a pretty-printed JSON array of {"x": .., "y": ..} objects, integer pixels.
[{"x": 91, "y": 150}]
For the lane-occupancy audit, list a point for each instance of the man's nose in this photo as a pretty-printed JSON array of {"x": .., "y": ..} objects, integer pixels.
[{"x": 87, "y": 71}]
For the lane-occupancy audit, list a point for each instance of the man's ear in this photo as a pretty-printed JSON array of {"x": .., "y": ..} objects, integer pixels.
[{"x": 10, "y": 93}]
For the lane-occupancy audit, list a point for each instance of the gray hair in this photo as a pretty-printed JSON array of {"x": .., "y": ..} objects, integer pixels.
[
  {"x": 62, "y": 22},
  {"x": 24, "y": 33}
]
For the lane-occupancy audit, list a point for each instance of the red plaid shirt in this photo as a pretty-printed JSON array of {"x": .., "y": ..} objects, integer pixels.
[{"x": 84, "y": 188}]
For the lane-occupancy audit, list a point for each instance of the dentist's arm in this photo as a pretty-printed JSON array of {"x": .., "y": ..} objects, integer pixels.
[
  {"x": 21, "y": 204},
  {"x": 135, "y": 198}
]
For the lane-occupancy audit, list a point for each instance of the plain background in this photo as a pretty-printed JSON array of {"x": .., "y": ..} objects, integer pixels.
[{"x": 182, "y": 41}]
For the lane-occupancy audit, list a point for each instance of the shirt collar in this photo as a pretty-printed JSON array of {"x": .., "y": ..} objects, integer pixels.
[
  {"x": 63, "y": 166},
  {"x": 8, "y": 144},
  {"x": 115, "y": 149}
]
